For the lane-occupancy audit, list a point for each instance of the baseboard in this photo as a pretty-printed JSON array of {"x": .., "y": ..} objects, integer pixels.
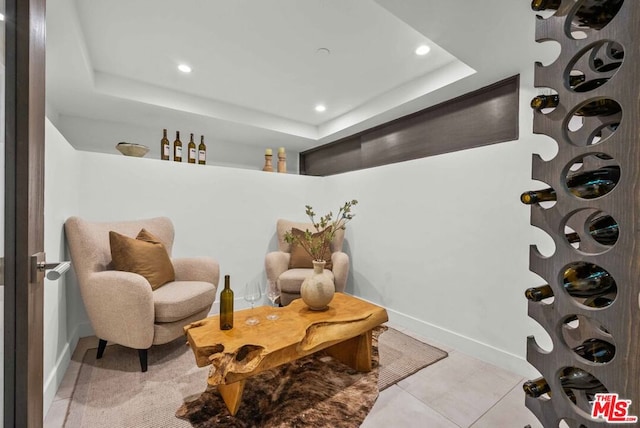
[
  {"x": 57, "y": 374},
  {"x": 466, "y": 345}
]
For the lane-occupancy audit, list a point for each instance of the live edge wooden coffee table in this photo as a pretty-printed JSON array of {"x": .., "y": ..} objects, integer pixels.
[{"x": 343, "y": 331}]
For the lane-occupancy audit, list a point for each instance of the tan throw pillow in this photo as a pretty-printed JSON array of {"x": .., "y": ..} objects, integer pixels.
[
  {"x": 299, "y": 256},
  {"x": 145, "y": 255}
]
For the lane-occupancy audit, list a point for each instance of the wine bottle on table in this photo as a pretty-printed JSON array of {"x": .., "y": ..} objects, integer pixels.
[
  {"x": 202, "y": 152},
  {"x": 165, "y": 146},
  {"x": 603, "y": 229},
  {"x": 191, "y": 151},
  {"x": 177, "y": 148},
  {"x": 226, "y": 305},
  {"x": 587, "y": 185}
]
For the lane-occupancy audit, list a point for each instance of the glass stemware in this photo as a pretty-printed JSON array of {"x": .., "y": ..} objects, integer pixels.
[
  {"x": 252, "y": 293},
  {"x": 273, "y": 292}
]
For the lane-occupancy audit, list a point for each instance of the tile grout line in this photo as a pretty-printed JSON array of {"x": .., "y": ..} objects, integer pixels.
[
  {"x": 427, "y": 405},
  {"x": 498, "y": 402}
]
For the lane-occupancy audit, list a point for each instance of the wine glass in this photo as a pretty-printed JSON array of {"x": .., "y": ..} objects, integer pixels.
[
  {"x": 273, "y": 292},
  {"x": 252, "y": 294}
]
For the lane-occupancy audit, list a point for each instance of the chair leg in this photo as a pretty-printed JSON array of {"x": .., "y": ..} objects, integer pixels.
[
  {"x": 142, "y": 353},
  {"x": 101, "y": 345}
]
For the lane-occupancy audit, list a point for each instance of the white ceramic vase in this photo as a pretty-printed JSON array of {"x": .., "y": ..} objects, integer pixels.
[{"x": 318, "y": 289}]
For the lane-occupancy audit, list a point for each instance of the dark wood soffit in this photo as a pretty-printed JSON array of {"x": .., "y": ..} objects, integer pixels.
[{"x": 486, "y": 116}]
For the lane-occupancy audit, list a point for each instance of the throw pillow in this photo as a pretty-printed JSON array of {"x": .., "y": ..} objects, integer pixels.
[
  {"x": 299, "y": 256},
  {"x": 144, "y": 255}
]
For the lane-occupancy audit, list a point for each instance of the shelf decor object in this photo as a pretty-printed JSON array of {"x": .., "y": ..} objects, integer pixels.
[
  {"x": 590, "y": 304},
  {"x": 268, "y": 165},
  {"x": 132, "y": 149},
  {"x": 282, "y": 160}
]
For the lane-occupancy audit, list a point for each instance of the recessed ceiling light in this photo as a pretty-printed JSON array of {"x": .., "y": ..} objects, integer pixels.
[
  {"x": 320, "y": 108},
  {"x": 323, "y": 51},
  {"x": 422, "y": 50},
  {"x": 184, "y": 68},
  {"x": 1, "y": 16}
]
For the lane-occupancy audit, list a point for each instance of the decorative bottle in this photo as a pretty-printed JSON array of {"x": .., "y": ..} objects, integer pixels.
[
  {"x": 177, "y": 148},
  {"x": 191, "y": 151},
  {"x": 165, "y": 146},
  {"x": 226, "y": 305},
  {"x": 202, "y": 152}
]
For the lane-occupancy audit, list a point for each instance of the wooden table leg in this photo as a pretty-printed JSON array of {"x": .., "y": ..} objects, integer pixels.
[
  {"x": 232, "y": 395},
  {"x": 355, "y": 352}
]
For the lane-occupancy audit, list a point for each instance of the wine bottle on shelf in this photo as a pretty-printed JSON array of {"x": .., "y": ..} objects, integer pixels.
[
  {"x": 587, "y": 185},
  {"x": 596, "y": 350},
  {"x": 226, "y": 305},
  {"x": 202, "y": 152},
  {"x": 191, "y": 151},
  {"x": 165, "y": 146},
  {"x": 177, "y": 148},
  {"x": 593, "y": 13},
  {"x": 603, "y": 107},
  {"x": 603, "y": 229}
]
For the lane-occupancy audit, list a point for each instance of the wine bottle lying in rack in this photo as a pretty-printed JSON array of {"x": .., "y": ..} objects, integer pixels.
[
  {"x": 602, "y": 229},
  {"x": 601, "y": 67},
  {"x": 580, "y": 280},
  {"x": 593, "y": 13},
  {"x": 603, "y": 107},
  {"x": 570, "y": 377},
  {"x": 596, "y": 350},
  {"x": 535, "y": 388},
  {"x": 590, "y": 85},
  {"x": 587, "y": 185}
]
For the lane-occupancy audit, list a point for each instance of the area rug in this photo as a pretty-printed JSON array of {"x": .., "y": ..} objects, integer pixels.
[{"x": 112, "y": 392}]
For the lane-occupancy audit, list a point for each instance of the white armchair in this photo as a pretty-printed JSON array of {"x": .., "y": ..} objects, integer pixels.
[
  {"x": 122, "y": 306},
  {"x": 290, "y": 280}
]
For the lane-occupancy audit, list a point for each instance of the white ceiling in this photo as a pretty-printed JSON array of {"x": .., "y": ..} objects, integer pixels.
[{"x": 256, "y": 72}]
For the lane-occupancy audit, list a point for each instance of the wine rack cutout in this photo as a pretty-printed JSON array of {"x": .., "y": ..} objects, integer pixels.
[{"x": 608, "y": 51}]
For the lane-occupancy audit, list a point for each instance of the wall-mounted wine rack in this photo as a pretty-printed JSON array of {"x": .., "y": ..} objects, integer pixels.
[{"x": 596, "y": 63}]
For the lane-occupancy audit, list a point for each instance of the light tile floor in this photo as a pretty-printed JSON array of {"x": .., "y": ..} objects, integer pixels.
[{"x": 457, "y": 392}]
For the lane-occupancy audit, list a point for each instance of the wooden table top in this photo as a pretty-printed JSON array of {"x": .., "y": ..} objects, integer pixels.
[{"x": 297, "y": 325}]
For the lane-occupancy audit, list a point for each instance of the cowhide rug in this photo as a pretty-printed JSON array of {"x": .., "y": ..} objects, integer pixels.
[{"x": 314, "y": 391}]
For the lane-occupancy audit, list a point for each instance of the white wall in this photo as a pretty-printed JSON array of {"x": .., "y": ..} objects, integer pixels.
[
  {"x": 226, "y": 213},
  {"x": 60, "y": 201}
]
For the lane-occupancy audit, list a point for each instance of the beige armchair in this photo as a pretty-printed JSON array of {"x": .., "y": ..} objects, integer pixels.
[
  {"x": 122, "y": 307},
  {"x": 277, "y": 263}
]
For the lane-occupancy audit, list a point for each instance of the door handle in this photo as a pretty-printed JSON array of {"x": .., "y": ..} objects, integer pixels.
[
  {"x": 55, "y": 269},
  {"x": 39, "y": 265}
]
